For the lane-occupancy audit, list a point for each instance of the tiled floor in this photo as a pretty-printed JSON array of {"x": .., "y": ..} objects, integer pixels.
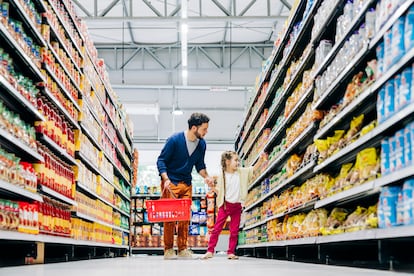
[{"x": 142, "y": 265}]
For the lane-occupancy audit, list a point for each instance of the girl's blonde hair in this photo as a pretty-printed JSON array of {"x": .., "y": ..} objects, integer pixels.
[{"x": 227, "y": 155}]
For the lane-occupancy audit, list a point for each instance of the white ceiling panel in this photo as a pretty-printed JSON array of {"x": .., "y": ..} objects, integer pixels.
[{"x": 154, "y": 60}]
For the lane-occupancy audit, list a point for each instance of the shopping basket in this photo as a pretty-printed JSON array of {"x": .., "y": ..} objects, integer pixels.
[{"x": 168, "y": 209}]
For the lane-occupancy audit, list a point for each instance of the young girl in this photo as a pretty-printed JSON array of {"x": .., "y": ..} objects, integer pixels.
[{"x": 231, "y": 190}]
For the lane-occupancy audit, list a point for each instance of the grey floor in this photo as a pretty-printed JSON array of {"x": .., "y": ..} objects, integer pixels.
[{"x": 142, "y": 265}]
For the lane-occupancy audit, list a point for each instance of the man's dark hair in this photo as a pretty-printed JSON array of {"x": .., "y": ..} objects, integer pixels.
[{"x": 197, "y": 119}]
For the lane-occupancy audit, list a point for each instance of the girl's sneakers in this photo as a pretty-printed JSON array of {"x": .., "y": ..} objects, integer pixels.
[
  {"x": 232, "y": 257},
  {"x": 206, "y": 256}
]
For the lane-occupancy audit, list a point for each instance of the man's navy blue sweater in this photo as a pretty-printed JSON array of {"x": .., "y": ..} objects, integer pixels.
[{"x": 175, "y": 160}]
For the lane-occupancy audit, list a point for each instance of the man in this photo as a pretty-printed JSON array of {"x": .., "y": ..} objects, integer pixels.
[{"x": 181, "y": 152}]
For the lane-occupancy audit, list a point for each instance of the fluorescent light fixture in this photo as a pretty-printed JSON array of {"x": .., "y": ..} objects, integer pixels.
[
  {"x": 184, "y": 28},
  {"x": 142, "y": 108},
  {"x": 184, "y": 9},
  {"x": 184, "y": 44},
  {"x": 177, "y": 112},
  {"x": 184, "y": 73},
  {"x": 219, "y": 89}
]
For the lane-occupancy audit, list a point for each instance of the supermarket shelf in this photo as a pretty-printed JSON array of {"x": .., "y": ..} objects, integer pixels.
[
  {"x": 41, "y": 5},
  {"x": 305, "y": 26},
  {"x": 346, "y": 112},
  {"x": 62, "y": 109},
  {"x": 13, "y": 143},
  {"x": 367, "y": 94},
  {"x": 294, "y": 114},
  {"x": 356, "y": 192},
  {"x": 328, "y": 18},
  {"x": 393, "y": 18},
  {"x": 91, "y": 165},
  {"x": 62, "y": 65},
  {"x": 395, "y": 232},
  {"x": 17, "y": 190},
  {"x": 96, "y": 170},
  {"x": 283, "y": 124},
  {"x": 269, "y": 70},
  {"x": 250, "y": 126},
  {"x": 73, "y": 18},
  {"x": 282, "y": 155},
  {"x": 62, "y": 45},
  {"x": 61, "y": 86},
  {"x": 89, "y": 218},
  {"x": 94, "y": 194},
  {"x": 37, "y": 36},
  {"x": 348, "y": 152},
  {"x": 332, "y": 89},
  {"x": 367, "y": 234},
  {"x": 13, "y": 235},
  {"x": 300, "y": 174},
  {"x": 63, "y": 24},
  {"x": 405, "y": 60},
  {"x": 21, "y": 99},
  {"x": 338, "y": 45},
  {"x": 394, "y": 177},
  {"x": 57, "y": 149},
  {"x": 8, "y": 38},
  {"x": 307, "y": 206},
  {"x": 57, "y": 195},
  {"x": 370, "y": 139},
  {"x": 93, "y": 139}
]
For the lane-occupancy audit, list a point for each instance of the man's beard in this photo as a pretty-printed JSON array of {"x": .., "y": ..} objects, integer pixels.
[{"x": 198, "y": 135}]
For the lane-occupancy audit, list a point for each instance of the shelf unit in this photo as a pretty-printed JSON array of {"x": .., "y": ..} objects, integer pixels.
[
  {"x": 57, "y": 80},
  {"x": 150, "y": 242},
  {"x": 383, "y": 245}
]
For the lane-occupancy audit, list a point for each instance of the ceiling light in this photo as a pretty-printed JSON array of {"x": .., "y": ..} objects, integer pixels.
[
  {"x": 142, "y": 108},
  {"x": 177, "y": 112}
]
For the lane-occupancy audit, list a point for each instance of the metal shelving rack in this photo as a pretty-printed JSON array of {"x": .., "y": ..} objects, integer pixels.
[
  {"x": 385, "y": 243},
  {"x": 39, "y": 248}
]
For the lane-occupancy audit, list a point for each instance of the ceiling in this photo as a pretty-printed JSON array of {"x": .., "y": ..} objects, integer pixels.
[{"x": 140, "y": 42}]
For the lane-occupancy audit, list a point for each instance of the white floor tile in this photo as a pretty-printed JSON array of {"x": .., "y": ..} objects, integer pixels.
[{"x": 143, "y": 265}]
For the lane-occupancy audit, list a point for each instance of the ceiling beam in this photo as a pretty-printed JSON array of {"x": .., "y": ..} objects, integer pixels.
[
  {"x": 221, "y": 7},
  {"x": 286, "y": 3},
  {"x": 148, "y": 3},
  {"x": 109, "y": 7},
  {"x": 247, "y": 7},
  {"x": 175, "y": 19}
]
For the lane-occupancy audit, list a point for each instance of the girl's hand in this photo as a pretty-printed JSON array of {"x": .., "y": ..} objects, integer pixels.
[{"x": 209, "y": 181}]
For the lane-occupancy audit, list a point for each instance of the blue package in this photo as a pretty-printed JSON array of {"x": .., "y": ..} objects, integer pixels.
[
  {"x": 408, "y": 146},
  {"x": 388, "y": 203},
  {"x": 385, "y": 156},
  {"x": 397, "y": 86},
  {"x": 393, "y": 161},
  {"x": 380, "y": 59},
  {"x": 387, "y": 50},
  {"x": 410, "y": 126},
  {"x": 399, "y": 212},
  {"x": 381, "y": 105},
  {"x": 408, "y": 202},
  {"x": 194, "y": 230},
  {"x": 399, "y": 150},
  {"x": 397, "y": 48},
  {"x": 404, "y": 93},
  {"x": 409, "y": 29},
  {"x": 389, "y": 99}
]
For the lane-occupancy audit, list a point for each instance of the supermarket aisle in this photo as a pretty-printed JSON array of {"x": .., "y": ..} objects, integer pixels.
[{"x": 156, "y": 265}]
